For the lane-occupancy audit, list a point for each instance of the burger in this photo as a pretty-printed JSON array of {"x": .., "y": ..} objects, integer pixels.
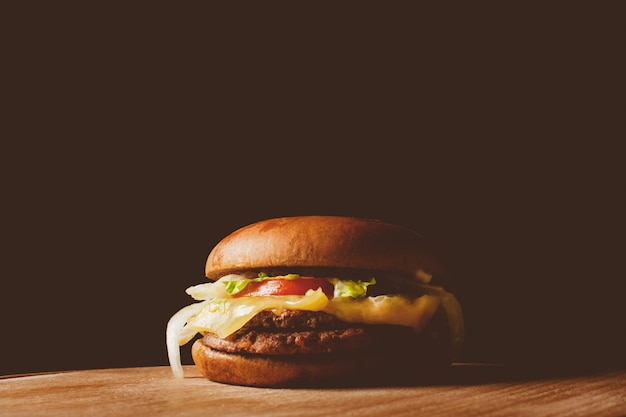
[{"x": 315, "y": 301}]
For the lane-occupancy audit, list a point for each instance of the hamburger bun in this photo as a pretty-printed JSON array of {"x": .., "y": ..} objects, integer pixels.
[
  {"x": 268, "y": 371},
  {"x": 323, "y": 242},
  {"x": 382, "y": 368}
]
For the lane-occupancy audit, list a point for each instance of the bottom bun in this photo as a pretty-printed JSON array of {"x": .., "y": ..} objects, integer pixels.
[{"x": 365, "y": 368}]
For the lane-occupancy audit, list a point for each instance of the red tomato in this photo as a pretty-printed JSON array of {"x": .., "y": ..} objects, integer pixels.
[{"x": 297, "y": 286}]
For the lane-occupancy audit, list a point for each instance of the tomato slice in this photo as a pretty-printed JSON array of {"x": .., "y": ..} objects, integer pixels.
[{"x": 297, "y": 286}]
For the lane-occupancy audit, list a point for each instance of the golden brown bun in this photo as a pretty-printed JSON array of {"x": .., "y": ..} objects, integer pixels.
[
  {"x": 371, "y": 368},
  {"x": 263, "y": 371},
  {"x": 323, "y": 241}
]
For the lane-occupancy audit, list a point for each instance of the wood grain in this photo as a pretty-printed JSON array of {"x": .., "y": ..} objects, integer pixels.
[{"x": 469, "y": 390}]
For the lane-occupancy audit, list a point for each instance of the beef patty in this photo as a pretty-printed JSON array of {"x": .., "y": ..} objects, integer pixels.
[{"x": 310, "y": 332}]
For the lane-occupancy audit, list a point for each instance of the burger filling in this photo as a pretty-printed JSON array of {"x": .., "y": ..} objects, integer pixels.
[{"x": 300, "y": 315}]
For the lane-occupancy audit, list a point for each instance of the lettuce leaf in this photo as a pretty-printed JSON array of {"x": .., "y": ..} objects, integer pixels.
[{"x": 353, "y": 289}]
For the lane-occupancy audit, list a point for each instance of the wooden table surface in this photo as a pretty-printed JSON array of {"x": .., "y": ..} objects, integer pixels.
[{"x": 468, "y": 390}]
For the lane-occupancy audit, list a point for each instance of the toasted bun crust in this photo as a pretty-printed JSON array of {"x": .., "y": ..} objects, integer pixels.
[
  {"x": 323, "y": 241},
  {"x": 369, "y": 368}
]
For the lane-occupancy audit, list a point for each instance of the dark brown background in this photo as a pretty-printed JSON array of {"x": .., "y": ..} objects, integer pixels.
[{"x": 140, "y": 137}]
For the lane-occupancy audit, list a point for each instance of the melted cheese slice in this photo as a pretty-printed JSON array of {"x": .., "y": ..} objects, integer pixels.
[
  {"x": 385, "y": 309},
  {"x": 223, "y": 316}
]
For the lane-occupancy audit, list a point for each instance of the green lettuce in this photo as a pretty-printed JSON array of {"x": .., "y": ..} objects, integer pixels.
[{"x": 354, "y": 289}]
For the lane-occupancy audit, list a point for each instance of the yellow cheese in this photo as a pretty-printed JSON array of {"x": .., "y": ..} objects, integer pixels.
[
  {"x": 385, "y": 309},
  {"x": 227, "y": 315}
]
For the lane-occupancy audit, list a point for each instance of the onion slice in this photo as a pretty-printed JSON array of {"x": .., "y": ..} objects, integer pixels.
[{"x": 178, "y": 334}]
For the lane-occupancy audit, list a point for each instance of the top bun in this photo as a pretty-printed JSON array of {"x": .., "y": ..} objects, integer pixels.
[{"x": 323, "y": 241}]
